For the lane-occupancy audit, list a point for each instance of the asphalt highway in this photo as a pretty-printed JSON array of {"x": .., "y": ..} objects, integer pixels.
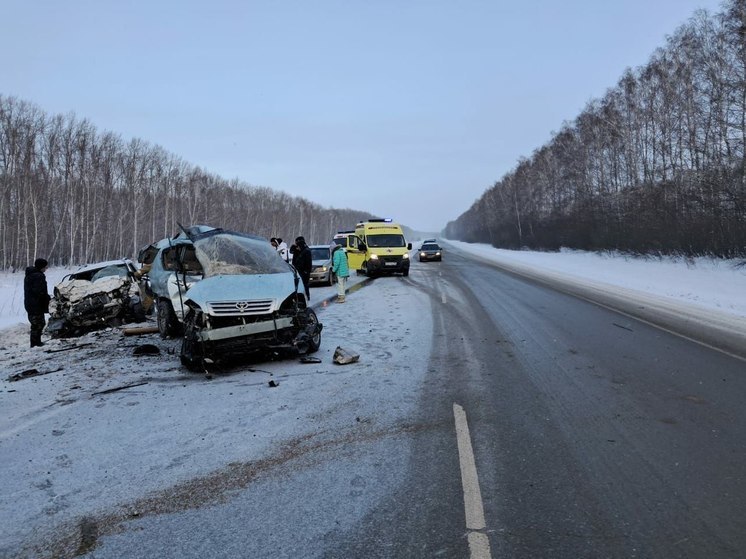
[{"x": 594, "y": 435}]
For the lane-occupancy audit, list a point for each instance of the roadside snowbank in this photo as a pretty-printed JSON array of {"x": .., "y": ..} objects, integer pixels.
[{"x": 706, "y": 282}]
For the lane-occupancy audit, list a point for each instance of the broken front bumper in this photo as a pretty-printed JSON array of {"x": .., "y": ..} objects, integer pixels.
[{"x": 243, "y": 330}]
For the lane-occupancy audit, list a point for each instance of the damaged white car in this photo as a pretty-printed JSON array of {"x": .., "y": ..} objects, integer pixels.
[
  {"x": 94, "y": 297},
  {"x": 246, "y": 302}
]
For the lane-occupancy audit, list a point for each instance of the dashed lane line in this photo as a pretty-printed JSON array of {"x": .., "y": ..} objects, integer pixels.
[{"x": 479, "y": 544}]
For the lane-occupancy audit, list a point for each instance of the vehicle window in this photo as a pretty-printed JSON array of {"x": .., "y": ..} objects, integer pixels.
[
  {"x": 116, "y": 271},
  {"x": 320, "y": 253},
  {"x": 227, "y": 254},
  {"x": 169, "y": 259},
  {"x": 430, "y": 247},
  {"x": 189, "y": 259},
  {"x": 383, "y": 241}
]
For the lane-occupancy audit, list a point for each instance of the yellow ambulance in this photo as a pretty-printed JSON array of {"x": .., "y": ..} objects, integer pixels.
[{"x": 377, "y": 247}]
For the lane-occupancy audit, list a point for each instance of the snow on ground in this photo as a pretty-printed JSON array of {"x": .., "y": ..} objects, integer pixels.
[
  {"x": 706, "y": 282},
  {"x": 11, "y": 294},
  {"x": 178, "y": 440}
]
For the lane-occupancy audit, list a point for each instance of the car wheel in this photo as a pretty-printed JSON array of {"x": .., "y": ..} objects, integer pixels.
[
  {"x": 405, "y": 272},
  {"x": 191, "y": 350},
  {"x": 168, "y": 324},
  {"x": 315, "y": 342},
  {"x": 331, "y": 279}
]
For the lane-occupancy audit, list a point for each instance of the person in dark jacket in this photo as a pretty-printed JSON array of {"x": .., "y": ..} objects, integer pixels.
[
  {"x": 303, "y": 262},
  {"x": 36, "y": 299}
]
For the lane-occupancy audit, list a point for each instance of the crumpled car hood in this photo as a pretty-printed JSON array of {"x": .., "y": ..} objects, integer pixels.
[
  {"x": 253, "y": 287},
  {"x": 77, "y": 290}
]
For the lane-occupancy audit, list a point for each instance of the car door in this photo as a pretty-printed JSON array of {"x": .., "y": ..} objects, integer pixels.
[{"x": 355, "y": 256}]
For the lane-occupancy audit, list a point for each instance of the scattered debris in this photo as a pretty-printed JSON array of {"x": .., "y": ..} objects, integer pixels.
[
  {"x": 30, "y": 373},
  {"x": 68, "y": 348},
  {"x": 623, "y": 327},
  {"x": 119, "y": 388},
  {"x": 140, "y": 330},
  {"x": 146, "y": 349},
  {"x": 345, "y": 356},
  {"x": 273, "y": 384},
  {"x": 307, "y": 359}
]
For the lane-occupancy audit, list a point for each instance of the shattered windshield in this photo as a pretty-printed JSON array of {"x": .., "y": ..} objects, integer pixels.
[
  {"x": 230, "y": 254},
  {"x": 386, "y": 241},
  {"x": 120, "y": 271}
]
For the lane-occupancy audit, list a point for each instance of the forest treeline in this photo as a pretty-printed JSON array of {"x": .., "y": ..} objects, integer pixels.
[
  {"x": 72, "y": 194},
  {"x": 654, "y": 166}
]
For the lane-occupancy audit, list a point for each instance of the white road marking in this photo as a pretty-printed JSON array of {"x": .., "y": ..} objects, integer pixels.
[
  {"x": 479, "y": 544},
  {"x": 443, "y": 298}
]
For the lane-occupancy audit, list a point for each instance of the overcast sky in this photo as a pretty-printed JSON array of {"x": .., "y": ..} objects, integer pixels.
[{"x": 405, "y": 109}]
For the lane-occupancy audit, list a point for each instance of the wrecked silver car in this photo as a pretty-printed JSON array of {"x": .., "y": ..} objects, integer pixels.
[
  {"x": 246, "y": 302},
  {"x": 171, "y": 268},
  {"x": 94, "y": 297}
]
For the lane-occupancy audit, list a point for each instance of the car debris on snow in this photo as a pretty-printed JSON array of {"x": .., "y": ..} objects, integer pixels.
[
  {"x": 308, "y": 359},
  {"x": 118, "y": 388},
  {"x": 345, "y": 356},
  {"x": 139, "y": 331},
  {"x": 147, "y": 349},
  {"x": 68, "y": 348},
  {"x": 31, "y": 373}
]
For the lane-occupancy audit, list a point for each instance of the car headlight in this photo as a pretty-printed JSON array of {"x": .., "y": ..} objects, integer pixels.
[
  {"x": 405, "y": 256},
  {"x": 423, "y": 254},
  {"x": 374, "y": 257},
  {"x": 437, "y": 254}
]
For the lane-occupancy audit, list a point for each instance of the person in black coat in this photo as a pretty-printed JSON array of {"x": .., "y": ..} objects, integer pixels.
[
  {"x": 36, "y": 299},
  {"x": 303, "y": 262}
]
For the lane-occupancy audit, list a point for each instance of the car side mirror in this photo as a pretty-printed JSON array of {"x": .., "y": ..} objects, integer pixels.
[
  {"x": 409, "y": 246},
  {"x": 362, "y": 246}
]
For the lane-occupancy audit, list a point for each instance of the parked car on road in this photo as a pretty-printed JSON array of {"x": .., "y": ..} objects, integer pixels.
[
  {"x": 430, "y": 251},
  {"x": 321, "y": 270},
  {"x": 246, "y": 302},
  {"x": 95, "y": 296}
]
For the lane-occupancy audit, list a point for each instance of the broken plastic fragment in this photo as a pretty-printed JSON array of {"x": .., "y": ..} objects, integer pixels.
[
  {"x": 344, "y": 356},
  {"x": 307, "y": 359}
]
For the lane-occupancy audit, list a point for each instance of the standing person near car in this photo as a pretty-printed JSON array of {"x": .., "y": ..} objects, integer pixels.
[
  {"x": 340, "y": 269},
  {"x": 282, "y": 249},
  {"x": 36, "y": 299},
  {"x": 303, "y": 262}
]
